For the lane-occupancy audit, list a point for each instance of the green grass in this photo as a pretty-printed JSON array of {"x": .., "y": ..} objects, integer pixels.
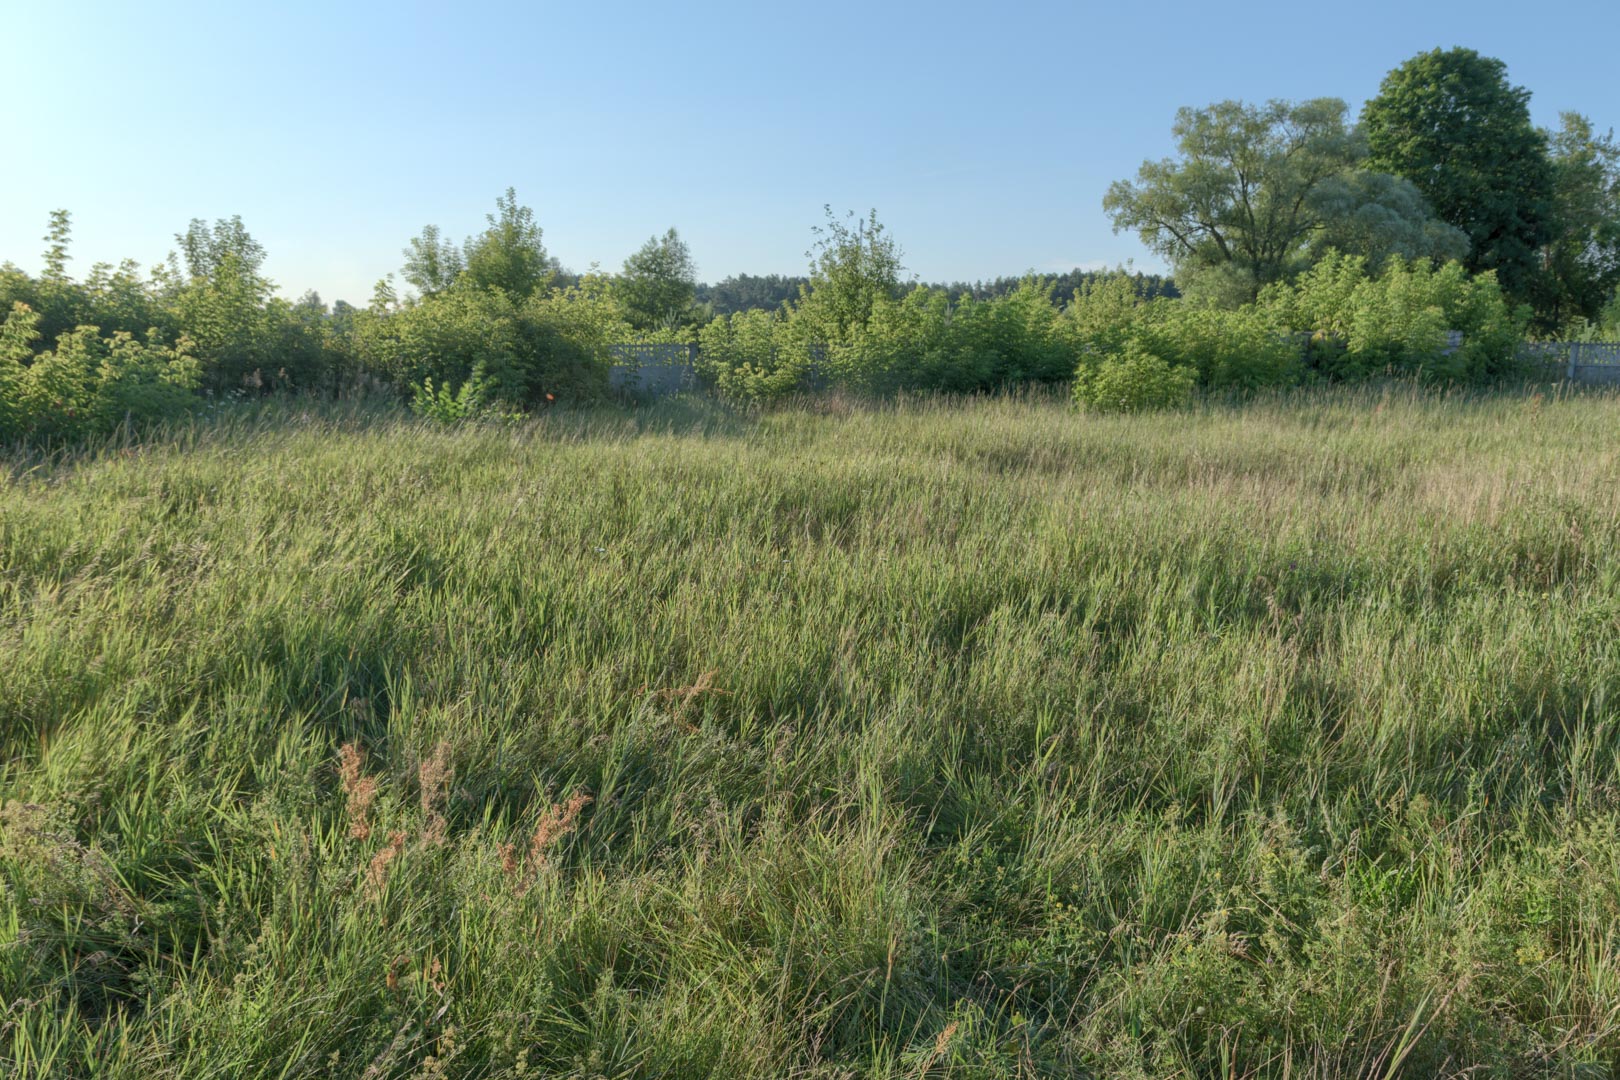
[{"x": 949, "y": 738}]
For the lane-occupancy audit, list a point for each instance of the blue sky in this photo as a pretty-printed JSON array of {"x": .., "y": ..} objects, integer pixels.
[{"x": 984, "y": 134}]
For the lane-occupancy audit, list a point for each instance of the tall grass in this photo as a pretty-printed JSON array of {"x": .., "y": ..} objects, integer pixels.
[{"x": 945, "y": 738}]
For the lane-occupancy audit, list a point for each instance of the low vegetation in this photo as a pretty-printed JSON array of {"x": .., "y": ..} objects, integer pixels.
[{"x": 967, "y": 737}]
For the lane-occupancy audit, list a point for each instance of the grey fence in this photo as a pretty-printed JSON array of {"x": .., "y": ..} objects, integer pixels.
[
  {"x": 642, "y": 370},
  {"x": 1595, "y": 362},
  {"x": 653, "y": 370}
]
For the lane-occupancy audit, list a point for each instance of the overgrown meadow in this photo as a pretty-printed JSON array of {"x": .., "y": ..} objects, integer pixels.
[{"x": 949, "y": 737}]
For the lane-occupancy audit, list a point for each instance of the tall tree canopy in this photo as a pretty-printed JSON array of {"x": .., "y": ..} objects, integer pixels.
[
  {"x": 659, "y": 282},
  {"x": 853, "y": 264},
  {"x": 1451, "y": 123},
  {"x": 432, "y": 262},
  {"x": 1258, "y": 190},
  {"x": 1581, "y": 263},
  {"x": 509, "y": 255}
]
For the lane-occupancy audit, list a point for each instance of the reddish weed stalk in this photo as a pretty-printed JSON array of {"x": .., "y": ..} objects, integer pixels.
[
  {"x": 557, "y": 822},
  {"x": 361, "y": 790},
  {"x": 434, "y": 775}
]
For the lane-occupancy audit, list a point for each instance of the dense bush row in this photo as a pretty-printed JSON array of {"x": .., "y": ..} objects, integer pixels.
[
  {"x": 82, "y": 358},
  {"x": 1337, "y": 322},
  {"x": 78, "y": 359}
]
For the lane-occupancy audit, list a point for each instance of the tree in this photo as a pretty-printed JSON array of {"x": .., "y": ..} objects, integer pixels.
[
  {"x": 749, "y": 292},
  {"x": 57, "y": 236},
  {"x": 1260, "y": 190},
  {"x": 1450, "y": 122},
  {"x": 432, "y": 263},
  {"x": 658, "y": 283},
  {"x": 509, "y": 254},
  {"x": 226, "y": 306},
  {"x": 1378, "y": 216},
  {"x": 207, "y": 249},
  {"x": 853, "y": 266},
  {"x": 1581, "y": 263}
]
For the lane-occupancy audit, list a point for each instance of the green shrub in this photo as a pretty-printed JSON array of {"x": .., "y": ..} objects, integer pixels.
[
  {"x": 1404, "y": 320},
  {"x": 546, "y": 344},
  {"x": 1242, "y": 349},
  {"x": 88, "y": 384},
  {"x": 1132, "y": 381},
  {"x": 1609, "y": 318},
  {"x": 449, "y": 406},
  {"x": 1015, "y": 338},
  {"x": 1108, "y": 313},
  {"x": 565, "y": 334},
  {"x": 751, "y": 356}
]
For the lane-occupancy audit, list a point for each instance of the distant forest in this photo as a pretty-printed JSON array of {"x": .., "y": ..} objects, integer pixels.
[{"x": 766, "y": 292}]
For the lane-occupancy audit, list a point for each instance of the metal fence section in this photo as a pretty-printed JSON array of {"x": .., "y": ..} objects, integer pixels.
[
  {"x": 1595, "y": 362},
  {"x": 643, "y": 370},
  {"x": 653, "y": 370}
]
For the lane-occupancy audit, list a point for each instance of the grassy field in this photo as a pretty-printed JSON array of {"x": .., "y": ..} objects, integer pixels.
[{"x": 966, "y": 739}]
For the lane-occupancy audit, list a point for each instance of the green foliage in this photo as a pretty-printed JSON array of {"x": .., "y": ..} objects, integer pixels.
[
  {"x": 56, "y": 255},
  {"x": 1379, "y": 217},
  {"x": 658, "y": 283},
  {"x": 208, "y": 250},
  {"x": 509, "y": 254},
  {"x": 1403, "y": 320},
  {"x": 748, "y": 292},
  {"x": 1243, "y": 349},
  {"x": 920, "y": 342},
  {"x": 926, "y": 342},
  {"x": 1107, "y": 313},
  {"x": 1609, "y": 317},
  {"x": 1451, "y": 123},
  {"x": 1259, "y": 190},
  {"x": 750, "y": 356},
  {"x": 566, "y": 334},
  {"x": 1133, "y": 380},
  {"x": 525, "y": 349},
  {"x": 1017, "y": 337},
  {"x": 1581, "y": 263},
  {"x": 854, "y": 267},
  {"x": 1223, "y": 349},
  {"x": 449, "y": 406},
  {"x": 88, "y": 384},
  {"x": 231, "y": 315},
  {"x": 432, "y": 262},
  {"x": 445, "y": 337}
]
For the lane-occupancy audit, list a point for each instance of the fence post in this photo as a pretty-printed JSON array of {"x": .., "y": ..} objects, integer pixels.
[{"x": 1574, "y": 356}]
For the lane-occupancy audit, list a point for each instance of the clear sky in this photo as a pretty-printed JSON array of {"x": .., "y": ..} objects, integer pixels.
[{"x": 984, "y": 134}]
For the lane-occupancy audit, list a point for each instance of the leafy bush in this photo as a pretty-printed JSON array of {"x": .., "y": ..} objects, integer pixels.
[
  {"x": 88, "y": 384},
  {"x": 1403, "y": 320},
  {"x": 1108, "y": 313},
  {"x": 448, "y": 406},
  {"x": 1132, "y": 381},
  {"x": 1015, "y": 338},
  {"x": 565, "y": 339},
  {"x": 546, "y": 344},
  {"x": 921, "y": 341},
  {"x": 750, "y": 356},
  {"x": 1243, "y": 349},
  {"x": 1609, "y": 319}
]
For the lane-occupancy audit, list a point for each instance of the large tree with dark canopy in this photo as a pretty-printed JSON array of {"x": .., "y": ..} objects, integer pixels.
[{"x": 1451, "y": 123}]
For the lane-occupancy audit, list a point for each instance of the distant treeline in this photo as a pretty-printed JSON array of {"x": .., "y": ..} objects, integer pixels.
[{"x": 767, "y": 292}]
